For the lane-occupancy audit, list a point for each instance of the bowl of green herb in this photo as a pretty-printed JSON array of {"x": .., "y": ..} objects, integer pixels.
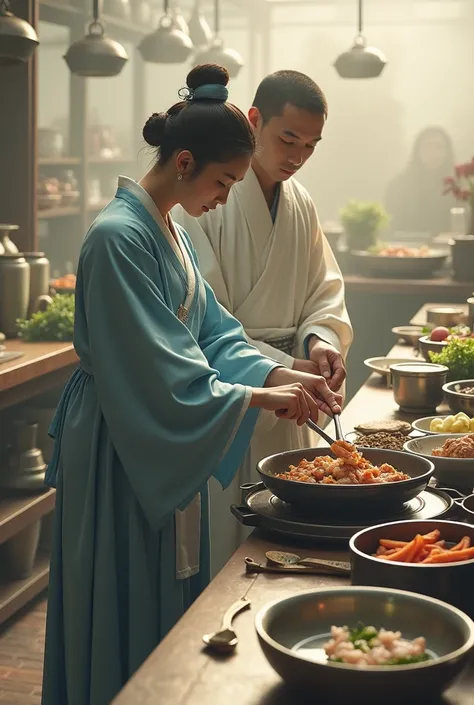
[
  {"x": 458, "y": 357},
  {"x": 55, "y": 323}
]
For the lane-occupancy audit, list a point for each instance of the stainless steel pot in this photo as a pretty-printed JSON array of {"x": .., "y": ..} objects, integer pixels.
[{"x": 418, "y": 386}]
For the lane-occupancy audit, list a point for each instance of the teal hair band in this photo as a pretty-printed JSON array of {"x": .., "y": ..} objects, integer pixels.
[{"x": 210, "y": 91}]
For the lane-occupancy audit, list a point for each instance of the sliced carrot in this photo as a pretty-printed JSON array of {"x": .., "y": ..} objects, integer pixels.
[
  {"x": 388, "y": 543},
  {"x": 465, "y": 542},
  {"x": 450, "y": 556},
  {"x": 432, "y": 536},
  {"x": 406, "y": 553}
]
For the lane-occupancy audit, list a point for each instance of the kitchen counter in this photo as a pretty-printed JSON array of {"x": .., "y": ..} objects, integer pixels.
[
  {"x": 179, "y": 672},
  {"x": 42, "y": 367},
  {"x": 441, "y": 286}
]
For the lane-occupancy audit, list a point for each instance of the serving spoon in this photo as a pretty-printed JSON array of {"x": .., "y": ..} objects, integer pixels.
[{"x": 225, "y": 639}]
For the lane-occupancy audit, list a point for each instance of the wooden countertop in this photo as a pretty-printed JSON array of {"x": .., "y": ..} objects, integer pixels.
[
  {"x": 179, "y": 672},
  {"x": 38, "y": 359},
  {"x": 440, "y": 286}
]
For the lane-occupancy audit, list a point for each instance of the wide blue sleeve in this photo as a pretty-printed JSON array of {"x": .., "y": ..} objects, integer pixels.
[
  {"x": 170, "y": 417},
  {"x": 223, "y": 342}
]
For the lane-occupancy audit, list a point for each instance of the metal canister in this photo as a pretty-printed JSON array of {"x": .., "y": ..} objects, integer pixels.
[
  {"x": 470, "y": 312},
  {"x": 14, "y": 292},
  {"x": 39, "y": 277}
]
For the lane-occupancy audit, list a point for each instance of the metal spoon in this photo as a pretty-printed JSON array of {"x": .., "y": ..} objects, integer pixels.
[
  {"x": 225, "y": 640},
  {"x": 284, "y": 558},
  {"x": 317, "y": 429},
  {"x": 337, "y": 423}
]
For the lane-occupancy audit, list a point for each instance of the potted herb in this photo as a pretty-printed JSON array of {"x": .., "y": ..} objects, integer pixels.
[{"x": 363, "y": 222}]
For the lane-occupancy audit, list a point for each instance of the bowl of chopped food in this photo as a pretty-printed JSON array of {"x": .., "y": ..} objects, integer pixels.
[
  {"x": 439, "y": 337},
  {"x": 399, "y": 262},
  {"x": 452, "y": 455},
  {"x": 345, "y": 479},
  {"x": 432, "y": 557},
  {"x": 361, "y": 644},
  {"x": 454, "y": 423},
  {"x": 460, "y": 396}
]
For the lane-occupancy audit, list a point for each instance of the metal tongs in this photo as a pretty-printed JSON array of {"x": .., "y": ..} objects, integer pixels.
[{"x": 317, "y": 429}]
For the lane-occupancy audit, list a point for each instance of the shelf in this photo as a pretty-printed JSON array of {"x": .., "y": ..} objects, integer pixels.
[
  {"x": 15, "y": 595},
  {"x": 58, "y": 212},
  {"x": 59, "y": 161},
  {"x": 17, "y": 511}
]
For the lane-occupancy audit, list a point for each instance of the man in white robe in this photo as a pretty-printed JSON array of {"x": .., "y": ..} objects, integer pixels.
[{"x": 270, "y": 265}]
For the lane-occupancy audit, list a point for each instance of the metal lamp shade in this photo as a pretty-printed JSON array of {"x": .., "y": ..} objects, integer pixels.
[
  {"x": 360, "y": 61},
  {"x": 199, "y": 30},
  {"x": 96, "y": 55},
  {"x": 18, "y": 39},
  {"x": 166, "y": 45},
  {"x": 216, "y": 54}
]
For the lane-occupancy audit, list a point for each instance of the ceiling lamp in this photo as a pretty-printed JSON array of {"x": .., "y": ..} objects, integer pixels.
[
  {"x": 199, "y": 30},
  {"x": 96, "y": 55},
  {"x": 18, "y": 39},
  {"x": 360, "y": 61},
  {"x": 215, "y": 53},
  {"x": 167, "y": 44},
  {"x": 178, "y": 19}
]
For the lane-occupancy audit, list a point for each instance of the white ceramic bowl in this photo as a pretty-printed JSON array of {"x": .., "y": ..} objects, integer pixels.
[{"x": 450, "y": 472}]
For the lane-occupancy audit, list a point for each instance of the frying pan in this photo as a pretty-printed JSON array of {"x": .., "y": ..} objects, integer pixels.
[{"x": 337, "y": 499}]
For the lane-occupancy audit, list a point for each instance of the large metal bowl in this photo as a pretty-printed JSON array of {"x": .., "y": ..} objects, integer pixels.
[
  {"x": 450, "y": 472},
  {"x": 308, "y": 616},
  {"x": 451, "y": 582},
  {"x": 373, "y": 265},
  {"x": 346, "y": 499},
  {"x": 458, "y": 401}
]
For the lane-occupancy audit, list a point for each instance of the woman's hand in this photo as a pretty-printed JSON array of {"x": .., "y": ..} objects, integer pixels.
[
  {"x": 327, "y": 401},
  {"x": 290, "y": 401}
]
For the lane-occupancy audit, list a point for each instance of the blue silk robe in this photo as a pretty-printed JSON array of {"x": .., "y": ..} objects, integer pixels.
[{"x": 154, "y": 410}]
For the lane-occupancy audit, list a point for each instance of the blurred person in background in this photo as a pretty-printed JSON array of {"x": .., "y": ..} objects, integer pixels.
[
  {"x": 415, "y": 198},
  {"x": 270, "y": 265}
]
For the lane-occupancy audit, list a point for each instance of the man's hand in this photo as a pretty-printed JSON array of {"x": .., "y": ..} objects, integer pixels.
[
  {"x": 328, "y": 362},
  {"x": 307, "y": 366}
]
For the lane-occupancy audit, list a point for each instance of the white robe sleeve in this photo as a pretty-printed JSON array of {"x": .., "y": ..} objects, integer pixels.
[{"x": 324, "y": 313}]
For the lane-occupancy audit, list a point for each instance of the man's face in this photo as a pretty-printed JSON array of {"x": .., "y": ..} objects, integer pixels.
[{"x": 286, "y": 142}]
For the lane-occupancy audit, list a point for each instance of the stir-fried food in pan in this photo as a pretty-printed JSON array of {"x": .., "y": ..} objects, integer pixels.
[{"x": 349, "y": 467}]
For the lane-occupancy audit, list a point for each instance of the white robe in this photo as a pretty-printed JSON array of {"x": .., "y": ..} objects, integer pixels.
[{"x": 278, "y": 279}]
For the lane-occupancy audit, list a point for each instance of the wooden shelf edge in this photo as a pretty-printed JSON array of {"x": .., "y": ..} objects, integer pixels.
[
  {"x": 59, "y": 161},
  {"x": 66, "y": 212},
  {"x": 25, "y": 370},
  {"x": 17, "y": 512},
  {"x": 15, "y": 595}
]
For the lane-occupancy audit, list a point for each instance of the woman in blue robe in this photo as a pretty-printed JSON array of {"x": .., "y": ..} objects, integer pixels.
[{"x": 166, "y": 395}]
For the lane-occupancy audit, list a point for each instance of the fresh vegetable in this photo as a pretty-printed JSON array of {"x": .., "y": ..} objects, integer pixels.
[
  {"x": 439, "y": 334},
  {"x": 458, "y": 356},
  {"x": 55, "y": 323},
  {"x": 460, "y": 423},
  {"x": 425, "y": 549}
]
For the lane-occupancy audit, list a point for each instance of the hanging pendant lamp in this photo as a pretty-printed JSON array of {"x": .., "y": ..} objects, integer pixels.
[
  {"x": 18, "y": 39},
  {"x": 215, "y": 53},
  {"x": 167, "y": 44},
  {"x": 96, "y": 55},
  {"x": 178, "y": 19},
  {"x": 199, "y": 30},
  {"x": 360, "y": 61}
]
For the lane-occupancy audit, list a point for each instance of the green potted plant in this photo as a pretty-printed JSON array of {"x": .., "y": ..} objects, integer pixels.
[{"x": 363, "y": 221}]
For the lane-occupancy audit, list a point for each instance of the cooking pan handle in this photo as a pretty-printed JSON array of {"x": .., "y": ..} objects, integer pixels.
[
  {"x": 246, "y": 517},
  {"x": 249, "y": 487}
]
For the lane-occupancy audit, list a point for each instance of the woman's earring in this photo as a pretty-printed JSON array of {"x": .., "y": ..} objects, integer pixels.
[{"x": 180, "y": 177}]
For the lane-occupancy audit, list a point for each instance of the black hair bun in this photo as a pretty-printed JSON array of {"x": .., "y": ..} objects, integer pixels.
[
  {"x": 154, "y": 129},
  {"x": 207, "y": 73}
]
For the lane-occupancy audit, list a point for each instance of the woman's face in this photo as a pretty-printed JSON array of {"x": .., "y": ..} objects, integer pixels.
[
  {"x": 432, "y": 151},
  {"x": 211, "y": 186}
]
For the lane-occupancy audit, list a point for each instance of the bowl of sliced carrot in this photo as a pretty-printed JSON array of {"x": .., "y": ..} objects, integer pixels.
[{"x": 434, "y": 558}]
